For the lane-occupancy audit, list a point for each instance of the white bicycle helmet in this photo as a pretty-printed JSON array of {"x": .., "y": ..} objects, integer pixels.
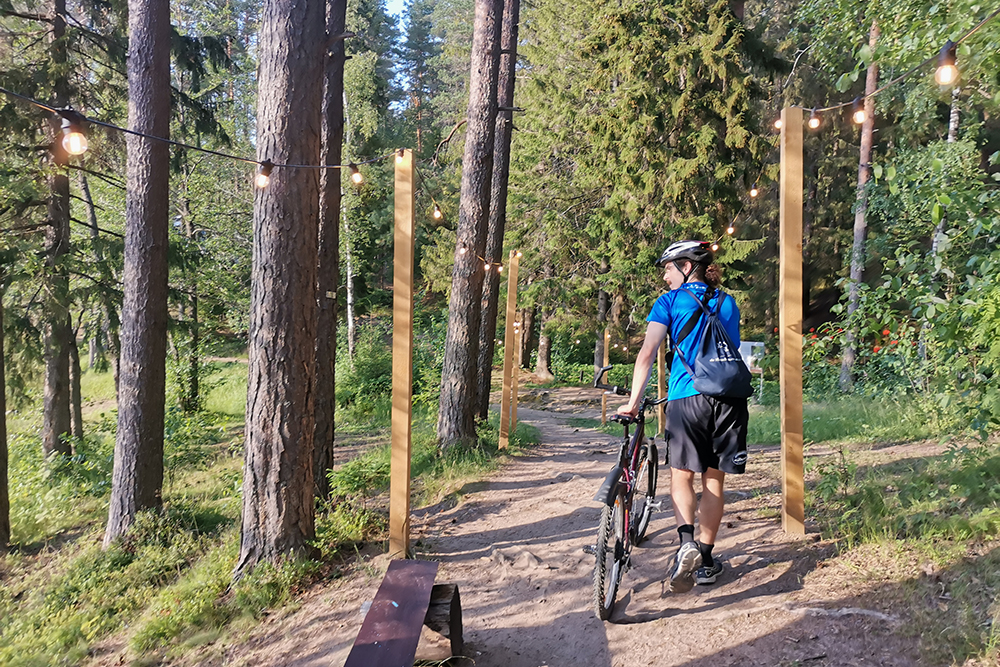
[{"x": 699, "y": 252}]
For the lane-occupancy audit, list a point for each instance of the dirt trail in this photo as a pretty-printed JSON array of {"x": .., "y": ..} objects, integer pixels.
[{"x": 514, "y": 545}]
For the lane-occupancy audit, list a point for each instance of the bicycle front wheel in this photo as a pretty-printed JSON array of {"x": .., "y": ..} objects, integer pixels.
[
  {"x": 610, "y": 556},
  {"x": 645, "y": 491}
]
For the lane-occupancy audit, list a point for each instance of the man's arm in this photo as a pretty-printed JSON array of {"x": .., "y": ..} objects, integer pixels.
[{"x": 655, "y": 334}]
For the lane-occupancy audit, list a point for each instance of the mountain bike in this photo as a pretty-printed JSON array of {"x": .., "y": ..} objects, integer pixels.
[{"x": 627, "y": 494}]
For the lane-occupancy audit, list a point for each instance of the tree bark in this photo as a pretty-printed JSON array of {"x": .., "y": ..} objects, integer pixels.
[
  {"x": 4, "y": 495},
  {"x": 328, "y": 269},
  {"x": 603, "y": 304},
  {"x": 457, "y": 414},
  {"x": 94, "y": 338},
  {"x": 498, "y": 204},
  {"x": 278, "y": 504},
  {"x": 56, "y": 404},
  {"x": 75, "y": 397},
  {"x": 860, "y": 225},
  {"x": 543, "y": 364},
  {"x": 527, "y": 335},
  {"x": 138, "y": 469},
  {"x": 352, "y": 334}
]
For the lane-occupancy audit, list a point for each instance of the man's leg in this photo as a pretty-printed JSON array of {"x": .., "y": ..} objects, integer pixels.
[
  {"x": 710, "y": 511},
  {"x": 712, "y": 505},
  {"x": 683, "y": 496},
  {"x": 688, "y": 557}
]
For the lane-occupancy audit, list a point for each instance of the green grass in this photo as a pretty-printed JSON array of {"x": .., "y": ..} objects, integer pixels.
[
  {"x": 856, "y": 420},
  {"x": 226, "y": 389}
]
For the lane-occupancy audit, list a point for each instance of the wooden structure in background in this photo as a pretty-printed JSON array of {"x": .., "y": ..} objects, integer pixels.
[
  {"x": 661, "y": 387},
  {"x": 607, "y": 361},
  {"x": 790, "y": 323},
  {"x": 402, "y": 360},
  {"x": 508, "y": 350}
]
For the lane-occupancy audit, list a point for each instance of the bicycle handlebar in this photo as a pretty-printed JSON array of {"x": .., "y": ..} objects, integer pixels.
[{"x": 621, "y": 391}]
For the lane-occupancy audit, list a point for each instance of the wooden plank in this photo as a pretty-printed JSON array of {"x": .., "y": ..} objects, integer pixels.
[
  {"x": 607, "y": 360},
  {"x": 515, "y": 379},
  {"x": 790, "y": 323},
  {"x": 391, "y": 629},
  {"x": 508, "y": 348},
  {"x": 402, "y": 360},
  {"x": 661, "y": 387}
]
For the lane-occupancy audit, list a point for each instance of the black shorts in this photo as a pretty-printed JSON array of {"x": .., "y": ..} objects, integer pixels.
[{"x": 705, "y": 432}]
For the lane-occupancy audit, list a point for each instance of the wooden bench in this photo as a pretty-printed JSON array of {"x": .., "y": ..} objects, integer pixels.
[{"x": 406, "y": 601}]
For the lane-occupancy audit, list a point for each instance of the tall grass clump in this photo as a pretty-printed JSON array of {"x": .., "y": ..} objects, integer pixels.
[
  {"x": 955, "y": 496},
  {"x": 849, "y": 418}
]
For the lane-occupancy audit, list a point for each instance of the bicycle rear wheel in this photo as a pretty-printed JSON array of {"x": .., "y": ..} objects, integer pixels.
[
  {"x": 645, "y": 491},
  {"x": 611, "y": 556}
]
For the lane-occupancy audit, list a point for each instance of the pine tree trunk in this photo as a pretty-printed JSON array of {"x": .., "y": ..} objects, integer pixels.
[
  {"x": 602, "y": 319},
  {"x": 527, "y": 335},
  {"x": 96, "y": 346},
  {"x": 457, "y": 413},
  {"x": 543, "y": 364},
  {"x": 498, "y": 204},
  {"x": 191, "y": 400},
  {"x": 328, "y": 269},
  {"x": 75, "y": 398},
  {"x": 860, "y": 225},
  {"x": 138, "y": 470},
  {"x": 56, "y": 405},
  {"x": 278, "y": 492},
  {"x": 4, "y": 495}
]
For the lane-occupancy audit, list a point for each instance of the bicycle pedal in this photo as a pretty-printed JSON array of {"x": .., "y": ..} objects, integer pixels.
[
  {"x": 658, "y": 506},
  {"x": 590, "y": 549}
]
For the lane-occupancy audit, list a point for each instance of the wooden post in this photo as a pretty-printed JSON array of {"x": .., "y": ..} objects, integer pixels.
[
  {"x": 508, "y": 349},
  {"x": 402, "y": 360},
  {"x": 516, "y": 378},
  {"x": 607, "y": 360},
  {"x": 661, "y": 386},
  {"x": 790, "y": 323}
]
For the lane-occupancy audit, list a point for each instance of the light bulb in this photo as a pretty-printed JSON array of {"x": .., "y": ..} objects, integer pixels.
[
  {"x": 356, "y": 174},
  {"x": 754, "y": 191},
  {"x": 461, "y": 251},
  {"x": 437, "y": 212},
  {"x": 399, "y": 156},
  {"x": 263, "y": 177},
  {"x": 858, "y": 111},
  {"x": 731, "y": 229},
  {"x": 500, "y": 269},
  {"x": 74, "y": 141},
  {"x": 715, "y": 246},
  {"x": 946, "y": 73},
  {"x": 814, "y": 120},
  {"x": 778, "y": 123}
]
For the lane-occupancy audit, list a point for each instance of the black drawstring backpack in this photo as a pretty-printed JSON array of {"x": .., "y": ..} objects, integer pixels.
[{"x": 718, "y": 369}]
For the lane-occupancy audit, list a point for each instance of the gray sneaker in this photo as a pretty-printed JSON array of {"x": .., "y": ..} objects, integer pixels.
[
  {"x": 708, "y": 574},
  {"x": 687, "y": 560}
]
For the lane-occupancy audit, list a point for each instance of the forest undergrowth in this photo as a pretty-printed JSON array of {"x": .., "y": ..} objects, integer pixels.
[{"x": 168, "y": 589}]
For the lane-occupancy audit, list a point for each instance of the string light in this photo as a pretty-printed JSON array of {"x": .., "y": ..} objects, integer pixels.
[
  {"x": 715, "y": 247},
  {"x": 518, "y": 253},
  {"x": 754, "y": 191},
  {"x": 500, "y": 268},
  {"x": 814, "y": 120},
  {"x": 263, "y": 177},
  {"x": 74, "y": 140},
  {"x": 731, "y": 229},
  {"x": 486, "y": 267},
  {"x": 437, "y": 212},
  {"x": 778, "y": 123},
  {"x": 356, "y": 174},
  {"x": 400, "y": 155},
  {"x": 461, "y": 251},
  {"x": 858, "y": 111},
  {"x": 947, "y": 72}
]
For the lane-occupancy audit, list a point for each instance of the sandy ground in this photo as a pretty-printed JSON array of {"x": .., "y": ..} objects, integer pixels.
[{"x": 514, "y": 544}]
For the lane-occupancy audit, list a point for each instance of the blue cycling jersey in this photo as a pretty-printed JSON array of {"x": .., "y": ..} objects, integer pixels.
[{"x": 673, "y": 310}]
